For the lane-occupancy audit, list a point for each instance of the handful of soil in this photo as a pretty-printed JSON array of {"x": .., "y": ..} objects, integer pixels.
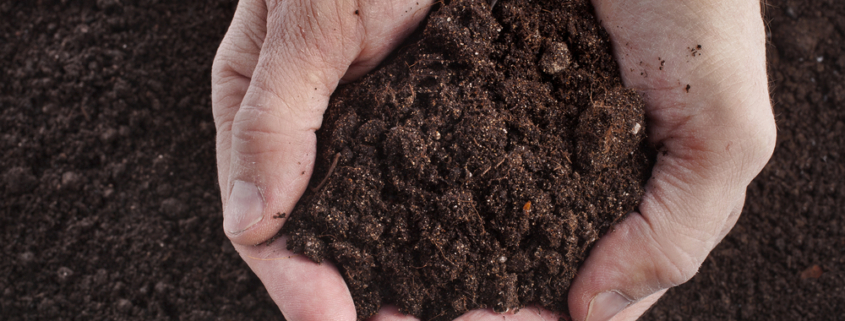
[{"x": 476, "y": 168}]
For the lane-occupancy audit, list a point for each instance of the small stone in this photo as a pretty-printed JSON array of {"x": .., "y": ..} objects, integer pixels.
[
  {"x": 161, "y": 287},
  {"x": 71, "y": 180},
  {"x": 556, "y": 58},
  {"x": 636, "y": 129},
  {"x": 64, "y": 273},
  {"x": 172, "y": 207},
  {"x": 19, "y": 180},
  {"x": 791, "y": 13},
  {"x": 124, "y": 305},
  {"x": 109, "y": 135},
  {"x": 118, "y": 288},
  {"x": 26, "y": 258}
]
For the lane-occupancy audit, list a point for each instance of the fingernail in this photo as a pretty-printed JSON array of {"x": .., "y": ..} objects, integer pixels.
[
  {"x": 606, "y": 305},
  {"x": 244, "y": 209}
]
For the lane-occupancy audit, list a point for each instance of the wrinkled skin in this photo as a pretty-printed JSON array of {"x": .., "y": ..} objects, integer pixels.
[{"x": 281, "y": 60}]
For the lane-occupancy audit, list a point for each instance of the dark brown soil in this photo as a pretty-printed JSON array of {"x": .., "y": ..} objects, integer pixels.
[
  {"x": 476, "y": 169},
  {"x": 109, "y": 207}
]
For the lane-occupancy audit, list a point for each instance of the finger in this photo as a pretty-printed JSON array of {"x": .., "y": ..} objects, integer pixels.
[
  {"x": 714, "y": 137},
  {"x": 302, "y": 289}
]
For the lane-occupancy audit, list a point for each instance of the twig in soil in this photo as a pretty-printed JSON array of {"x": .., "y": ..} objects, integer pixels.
[
  {"x": 497, "y": 165},
  {"x": 325, "y": 179},
  {"x": 480, "y": 220},
  {"x": 441, "y": 252}
]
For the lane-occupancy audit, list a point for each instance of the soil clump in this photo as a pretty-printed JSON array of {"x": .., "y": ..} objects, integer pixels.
[{"x": 477, "y": 166}]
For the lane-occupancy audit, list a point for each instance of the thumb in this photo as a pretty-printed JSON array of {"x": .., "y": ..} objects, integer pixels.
[
  {"x": 273, "y": 144},
  {"x": 632, "y": 266},
  {"x": 274, "y": 74}
]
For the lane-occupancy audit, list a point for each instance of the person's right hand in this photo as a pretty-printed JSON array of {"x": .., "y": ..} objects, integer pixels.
[{"x": 708, "y": 111}]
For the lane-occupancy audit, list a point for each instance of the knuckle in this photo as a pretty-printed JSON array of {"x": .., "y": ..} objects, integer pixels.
[
  {"x": 677, "y": 268},
  {"x": 759, "y": 143},
  {"x": 677, "y": 251}
]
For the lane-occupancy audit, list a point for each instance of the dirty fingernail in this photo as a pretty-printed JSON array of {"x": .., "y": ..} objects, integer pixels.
[
  {"x": 606, "y": 305},
  {"x": 244, "y": 209}
]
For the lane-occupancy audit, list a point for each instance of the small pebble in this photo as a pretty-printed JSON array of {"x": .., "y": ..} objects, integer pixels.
[
  {"x": 791, "y": 13},
  {"x": 172, "y": 207},
  {"x": 19, "y": 180},
  {"x": 109, "y": 135},
  {"x": 124, "y": 305},
  {"x": 26, "y": 258},
  {"x": 64, "y": 273},
  {"x": 161, "y": 287},
  {"x": 71, "y": 180},
  {"x": 556, "y": 58}
]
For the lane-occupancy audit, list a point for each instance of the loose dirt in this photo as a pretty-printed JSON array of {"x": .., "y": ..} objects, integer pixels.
[{"x": 477, "y": 167}]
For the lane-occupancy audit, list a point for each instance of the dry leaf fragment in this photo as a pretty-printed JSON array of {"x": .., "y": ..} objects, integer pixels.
[{"x": 814, "y": 272}]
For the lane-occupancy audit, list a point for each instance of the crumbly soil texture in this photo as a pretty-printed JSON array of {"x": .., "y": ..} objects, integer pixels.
[
  {"x": 110, "y": 210},
  {"x": 477, "y": 167}
]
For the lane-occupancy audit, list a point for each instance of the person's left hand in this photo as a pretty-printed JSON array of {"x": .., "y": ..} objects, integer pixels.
[{"x": 271, "y": 81}]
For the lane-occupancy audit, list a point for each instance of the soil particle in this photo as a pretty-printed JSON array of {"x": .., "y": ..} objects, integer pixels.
[
  {"x": 476, "y": 168},
  {"x": 71, "y": 180},
  {"x": 64, "y": 273},
  {"x": 556, "y": 58},
  {"x": 124, "y": 305},
  {"x": 19, "y": 180},
  {"x": 172, "y": 207}
]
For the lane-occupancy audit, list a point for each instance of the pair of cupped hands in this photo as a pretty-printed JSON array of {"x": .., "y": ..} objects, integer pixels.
[{"x": 281, "y": 60}]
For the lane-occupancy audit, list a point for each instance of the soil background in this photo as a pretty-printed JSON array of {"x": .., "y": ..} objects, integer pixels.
[{"x": 110, "y": 207}]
